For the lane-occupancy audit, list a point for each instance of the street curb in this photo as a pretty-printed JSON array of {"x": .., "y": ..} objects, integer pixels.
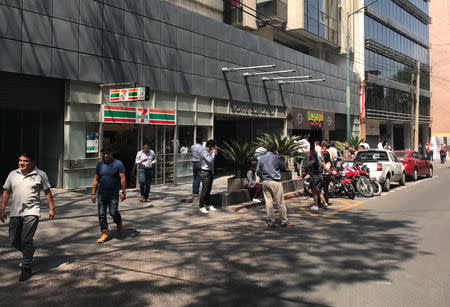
[{"x": 252, "y": 204}]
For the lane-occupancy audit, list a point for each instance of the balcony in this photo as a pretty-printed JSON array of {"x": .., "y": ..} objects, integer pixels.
[{"x": 274, "y": 11}]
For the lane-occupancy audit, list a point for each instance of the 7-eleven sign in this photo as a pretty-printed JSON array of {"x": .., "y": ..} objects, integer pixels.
[
  {"x": 129, "y": 94},
  {"x": 142, "y": 116}
]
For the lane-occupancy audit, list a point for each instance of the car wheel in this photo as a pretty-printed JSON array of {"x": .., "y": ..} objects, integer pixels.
[
  {"x": 403, "y": 181},
  {"x": 415, "y": 175},
  {"x": 430, "y": 172},
  {"x": 387, "y": 184}
]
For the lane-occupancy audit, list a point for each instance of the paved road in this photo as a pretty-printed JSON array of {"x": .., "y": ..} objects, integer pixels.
[{"x": 387, "y": 251}]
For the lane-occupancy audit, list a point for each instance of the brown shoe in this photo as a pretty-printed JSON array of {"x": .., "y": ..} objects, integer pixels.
[
  {"x": 287, "y": 225},
  {"x": 103, "y": 237},
  {"x": 147, "y": 200},
  {"x": 119, "y": 228},
  {"x": 141, "y": 199}
]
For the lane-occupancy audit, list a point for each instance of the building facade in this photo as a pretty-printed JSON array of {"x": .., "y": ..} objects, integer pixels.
[
  {"x": 61, "y": 59},
  {"x": 396, "y": 37},
  {"x": 440, "y": 80}
]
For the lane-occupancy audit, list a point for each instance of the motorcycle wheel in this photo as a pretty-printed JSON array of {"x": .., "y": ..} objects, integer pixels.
[
  {"x": 350, "y": 190},
  {"x": 376, "y": 187},
  {"x": 364, "y": 187}
]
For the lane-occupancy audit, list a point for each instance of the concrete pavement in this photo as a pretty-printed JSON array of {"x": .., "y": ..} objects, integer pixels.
[{"x": 171, "y": 255}]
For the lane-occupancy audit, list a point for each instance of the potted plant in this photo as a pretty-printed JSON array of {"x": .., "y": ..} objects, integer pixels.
[
  {"x": 286, "y": 146},
  {"x": 239, "y": 153}
]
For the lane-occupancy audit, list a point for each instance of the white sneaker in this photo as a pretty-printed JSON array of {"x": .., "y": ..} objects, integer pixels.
[
  {"x": 211, "y": 208},
  {"x": 256, "y": 200},
  {"x": 203, "y": 210}
]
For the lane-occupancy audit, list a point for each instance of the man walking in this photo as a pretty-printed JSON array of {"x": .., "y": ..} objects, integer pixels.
[
  {"x": 207, "y": 157},
  {"x": 196, "y": 150},
  {"x": 268, "y": 169},
  {"x": 24, "y": 185},
  {"x": 109, "y": 176},
  {"x": 145, "y": 159}
]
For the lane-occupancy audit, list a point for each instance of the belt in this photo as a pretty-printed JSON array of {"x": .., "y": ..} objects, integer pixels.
[{"x": 206, "y": 170}]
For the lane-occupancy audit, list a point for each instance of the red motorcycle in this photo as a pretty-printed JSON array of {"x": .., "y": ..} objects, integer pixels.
[
  {"x": 339, "y": 184},
  {"x": 360, "y": 179}
]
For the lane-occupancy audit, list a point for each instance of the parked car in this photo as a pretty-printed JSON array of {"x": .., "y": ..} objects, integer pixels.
[
  {"x": 415, "y": 164},
  {"x": 384, "y": 166}
]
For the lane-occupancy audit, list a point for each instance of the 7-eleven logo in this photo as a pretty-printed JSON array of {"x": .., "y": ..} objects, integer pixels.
[{"x": 142, "y": 116}]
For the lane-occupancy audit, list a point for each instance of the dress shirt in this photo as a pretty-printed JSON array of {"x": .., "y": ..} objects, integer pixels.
[
  {"x": 196, "y": 150},
  {"x": 150, "y": 156},
  {"x": 207, "y": 159},
  {"x": 269, "y": 167}
]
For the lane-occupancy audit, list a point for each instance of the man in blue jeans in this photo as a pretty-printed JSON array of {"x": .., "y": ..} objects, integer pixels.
[
  {"x": 109, "y": 176},
  {"x": 145, "y": 160},
  {"x": 196, "y": 150}
]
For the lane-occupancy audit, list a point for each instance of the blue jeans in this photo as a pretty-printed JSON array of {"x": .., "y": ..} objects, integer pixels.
[
  {"x": 110, "y": 201},
  {"x": 145, "y": 180},
  {"x": 196, "y": 168}
]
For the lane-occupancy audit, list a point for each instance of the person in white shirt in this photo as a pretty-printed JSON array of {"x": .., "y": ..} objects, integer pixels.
[
  {"x": 207, "y": 157},
  {"x": 145, "y": 159},
  {"x": 24, "y": 186},
  {"x": 334, "y": 151},
  {"x": 196, "y": 150},
  {"x": 318, "y": 149},
  {"x": 303, "y": 147},
  {"x": 380, "y": 145},
  {"x": 364, "y": 144}
]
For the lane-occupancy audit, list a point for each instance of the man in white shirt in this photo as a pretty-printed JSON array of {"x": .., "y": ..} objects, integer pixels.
[
  {"x": 24, "y": 185},
  {"x": 207, "y": 157},
  {"x": 334, "y": 151},
  {"x": 145, "y": 159},
  {"x": 196, "y": 150},
  {"x": 380, "y": 145},
  {"x": 364, "y": 144},
  {"x": 318, "y": 148},
  {"x": 303, "y": 148}
]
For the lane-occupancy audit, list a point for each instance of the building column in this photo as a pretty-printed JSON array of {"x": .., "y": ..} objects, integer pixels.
[
  {"x": 390, "y": 132},
  {"x": 407, "y": 136}
]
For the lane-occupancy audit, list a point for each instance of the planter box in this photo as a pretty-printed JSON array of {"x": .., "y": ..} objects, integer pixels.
[
  {"x": 235, "y": 184},
  {"x": 286, "y": 176}
]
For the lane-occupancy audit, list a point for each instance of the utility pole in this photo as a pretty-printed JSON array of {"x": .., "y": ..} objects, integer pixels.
[
  {"x": 413, "y": 111},
  {"x": 416, "y": 125}
]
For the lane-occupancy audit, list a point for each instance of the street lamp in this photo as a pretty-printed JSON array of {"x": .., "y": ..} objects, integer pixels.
[{"x": 349, "y": 130}]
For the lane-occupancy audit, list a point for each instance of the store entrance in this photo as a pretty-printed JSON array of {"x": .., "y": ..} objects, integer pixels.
[
  {"x": 123, "y": 138},
  {"x": 160, "y": 138}
]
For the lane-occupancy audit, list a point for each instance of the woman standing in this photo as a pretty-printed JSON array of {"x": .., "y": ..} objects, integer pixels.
[
  {"x": 314, "y": 169},
  {"x": 326, "y": 160}
]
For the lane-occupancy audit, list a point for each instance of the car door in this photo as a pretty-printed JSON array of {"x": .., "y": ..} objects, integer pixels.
[
  {"x": 397, "y": 165},
  {"x": 419, "y": 163}
]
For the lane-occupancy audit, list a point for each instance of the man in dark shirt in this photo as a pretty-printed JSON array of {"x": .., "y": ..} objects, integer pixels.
[{"x": 109, "y": 176}]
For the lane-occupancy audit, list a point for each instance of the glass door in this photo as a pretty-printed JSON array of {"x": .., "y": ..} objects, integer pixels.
[{"x": 160, "y": 138}]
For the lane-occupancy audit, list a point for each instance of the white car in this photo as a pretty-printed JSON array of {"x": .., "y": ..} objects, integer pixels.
[{"x": 383, "y": 165}]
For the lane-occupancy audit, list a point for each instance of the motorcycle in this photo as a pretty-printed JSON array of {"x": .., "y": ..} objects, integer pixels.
[
  {"x": 377, "y": 189},
  {"x": 338, "y": 185},
  {"x": 359, "y": 179}
]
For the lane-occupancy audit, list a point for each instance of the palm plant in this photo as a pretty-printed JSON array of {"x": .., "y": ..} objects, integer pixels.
[
  {"x": 239, "y": 153},
  {"x": 286, "y": 146},
  {"x": 354, "y": 142}
]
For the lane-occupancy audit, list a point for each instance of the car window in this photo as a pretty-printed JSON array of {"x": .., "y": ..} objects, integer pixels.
[
  {"x": 402, "y": 154},
  {"x": 371, "y": 156},
  {"x": 415, "y": 155},
  {"x": 419, "y": 156},
  {"x": 393, "y": 157}
]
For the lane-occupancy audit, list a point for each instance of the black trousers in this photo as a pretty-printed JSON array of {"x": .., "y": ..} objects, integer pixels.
[
  {"x": 326, "y": 184},
  {"x": 21, "y": 234},
  {"x": 207, "y": 178}
]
